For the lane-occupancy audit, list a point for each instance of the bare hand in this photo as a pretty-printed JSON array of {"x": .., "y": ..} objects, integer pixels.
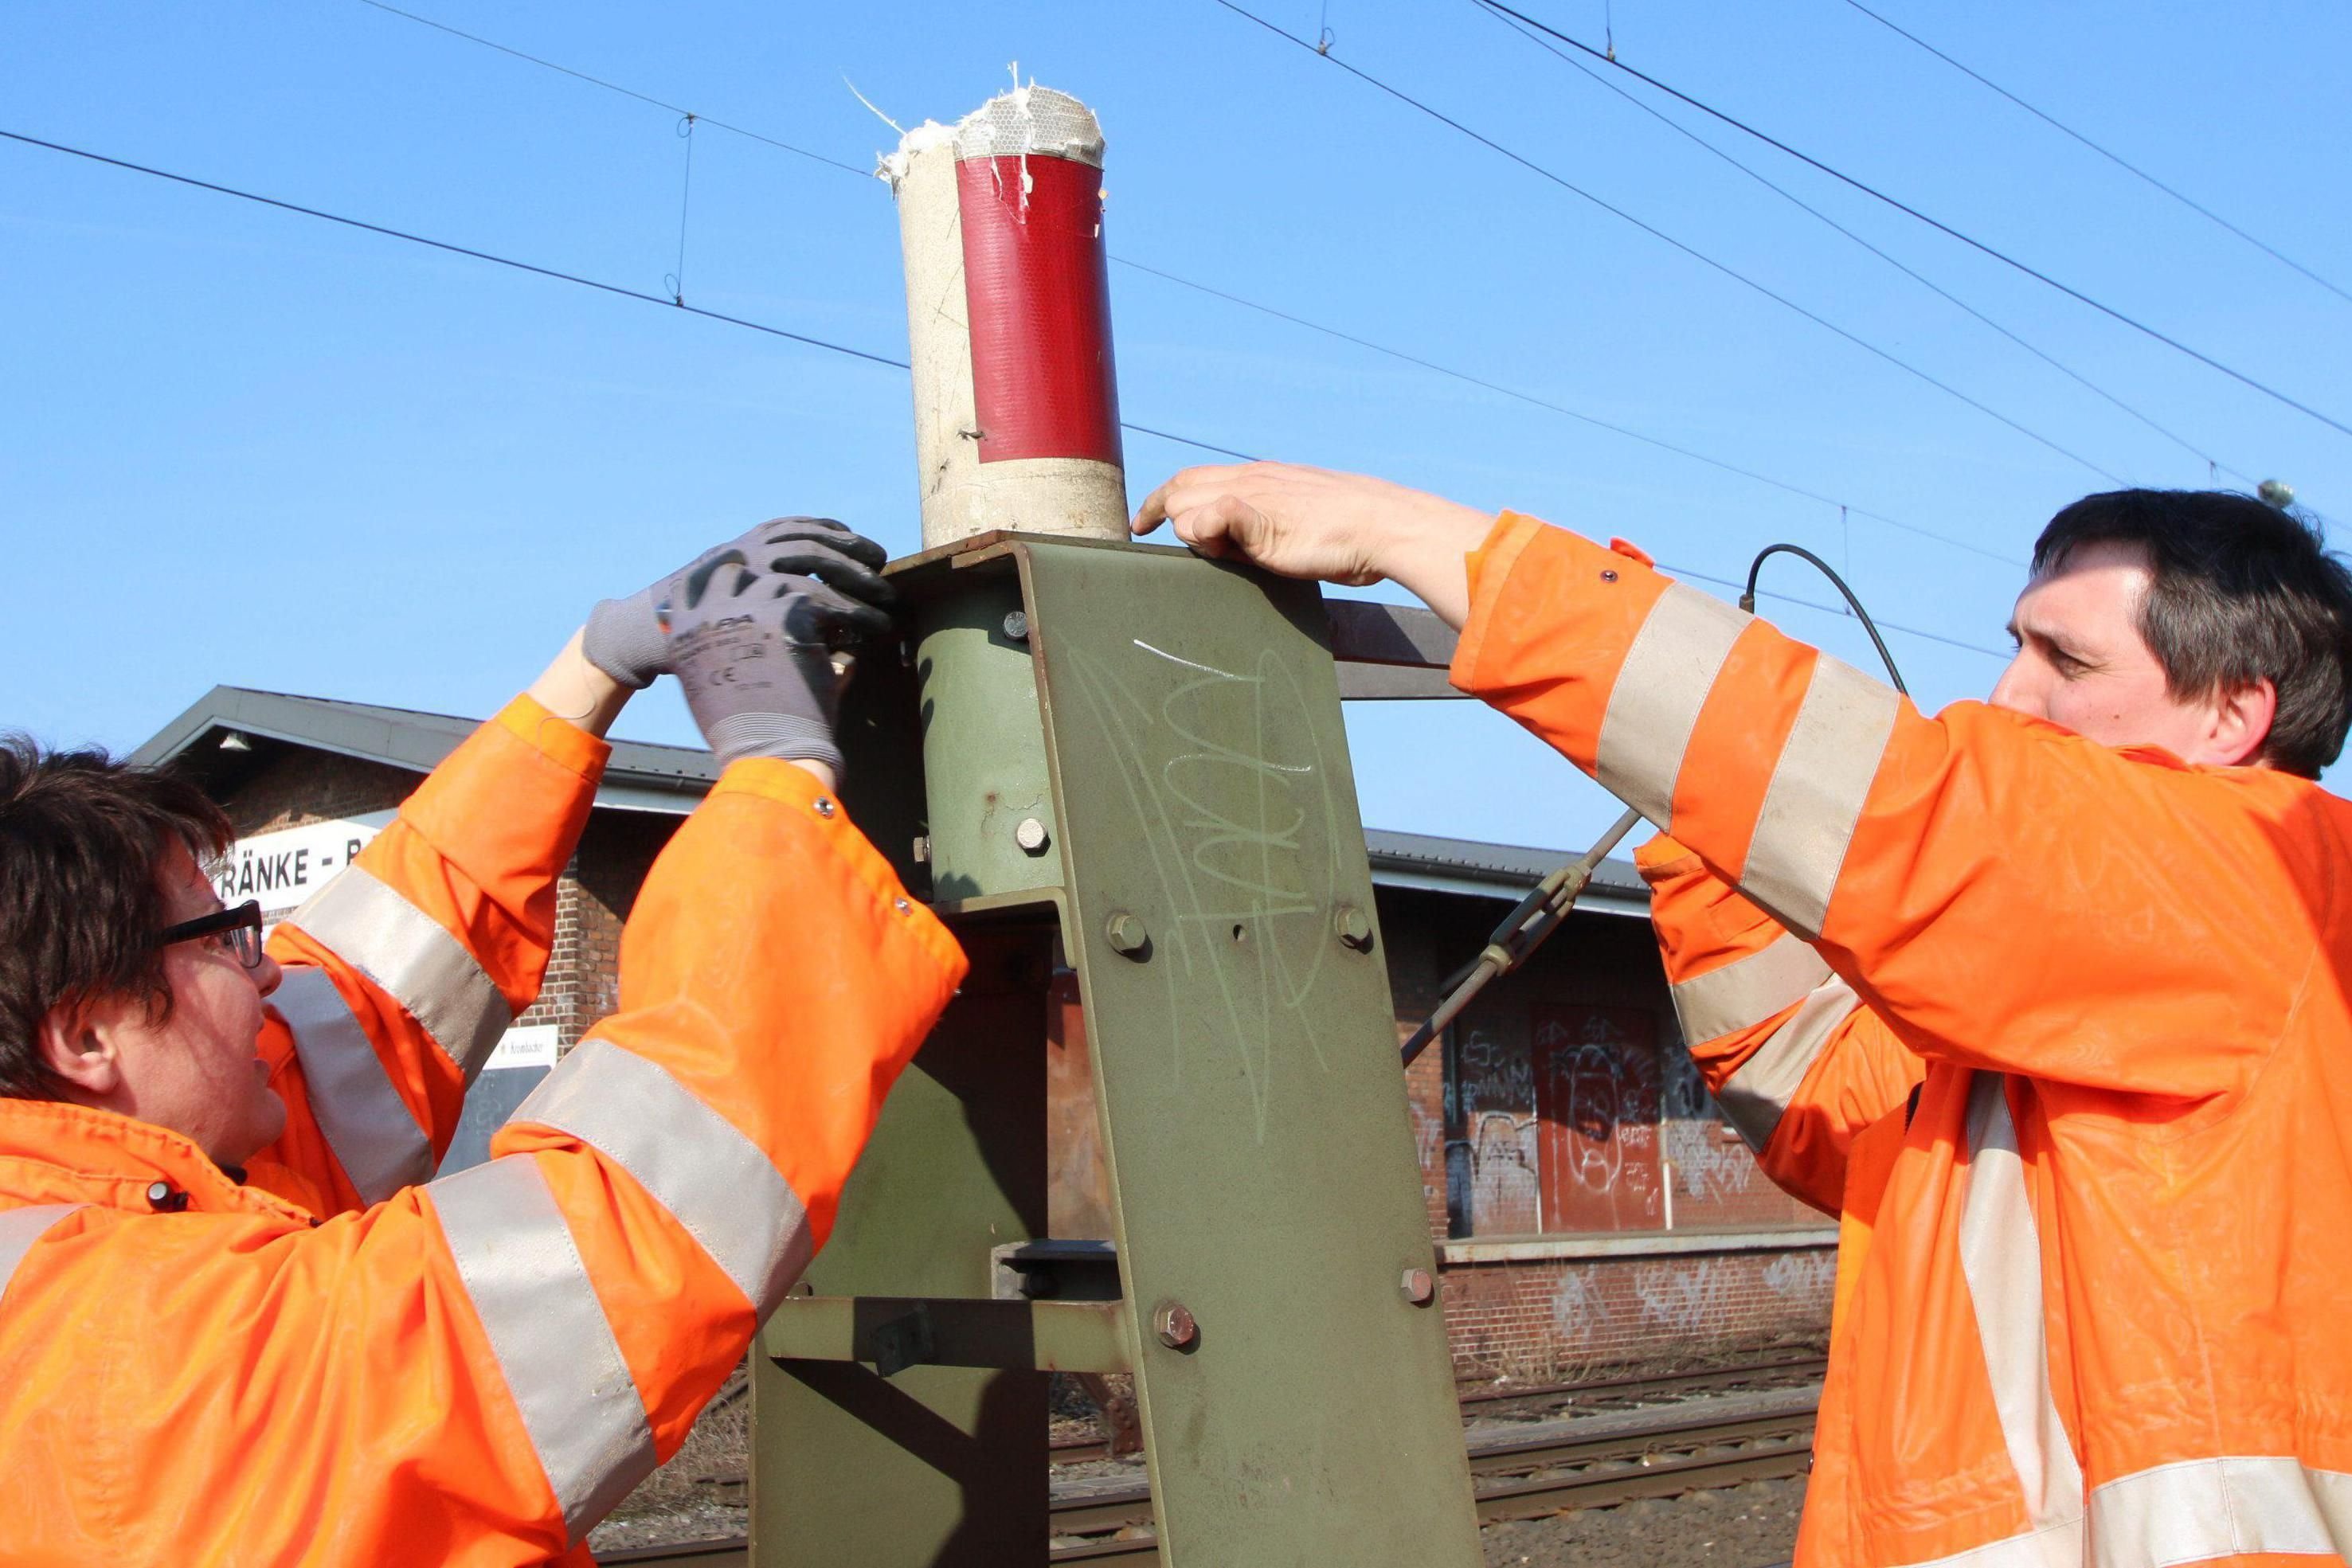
[{"x": 1305, "y": 522}]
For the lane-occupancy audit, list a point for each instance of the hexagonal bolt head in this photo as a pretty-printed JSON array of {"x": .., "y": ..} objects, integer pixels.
[
  {"x": 1173, "y": 1322},
  {"x": 1418, "y": 1288},
  {"x": 1031, "y": 835},
  {"x": 1354, "y": 926},
  {"x": 1126, "y": 933},
  {"x": 1016, "y": 625}
]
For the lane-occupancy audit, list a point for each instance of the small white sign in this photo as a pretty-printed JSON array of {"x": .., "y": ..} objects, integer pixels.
[
  {"x": 283, "y": 868},
  {"x": 525, "y": 1045}
]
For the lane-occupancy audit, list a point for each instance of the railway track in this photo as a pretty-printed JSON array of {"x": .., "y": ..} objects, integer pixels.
[
  {"x": 1519, "y": 1471},
  {"x": 1547, "y": 1397}
]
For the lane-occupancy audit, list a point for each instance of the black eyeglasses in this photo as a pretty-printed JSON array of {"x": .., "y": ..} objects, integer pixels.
[{"x": 240, "y": 928}]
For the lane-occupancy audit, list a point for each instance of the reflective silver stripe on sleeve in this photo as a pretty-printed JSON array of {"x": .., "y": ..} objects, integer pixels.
[
  {"x": 1755, "y": 1098},
  {"x": 2199, "y": 1509},
  {"x": 1816, "y": 795},
  {"x": 1669, "y": 668},
  {"x": 1745, "y": 992},
  {"x": 367, "y": 1124},
  {"x": 19, "y": 1229},
  {"x": 404, "y": 951},
  {"x": 719, "y": 1184},
  {"x": 2000, "y": 1257},
  {"x": 515, "y": 1255}
]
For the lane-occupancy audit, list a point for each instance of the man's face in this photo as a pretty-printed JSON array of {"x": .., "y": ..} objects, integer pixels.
[
  {"x": 2081, "y": 663},
  {"x": 196, "y": 1072}
]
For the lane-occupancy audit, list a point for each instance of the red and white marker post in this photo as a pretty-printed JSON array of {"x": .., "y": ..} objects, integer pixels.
[{"x": 1008, "y": 317}]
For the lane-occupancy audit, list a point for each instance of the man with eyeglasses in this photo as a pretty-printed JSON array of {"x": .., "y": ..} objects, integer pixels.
[{"x": 238, "y": 1323}]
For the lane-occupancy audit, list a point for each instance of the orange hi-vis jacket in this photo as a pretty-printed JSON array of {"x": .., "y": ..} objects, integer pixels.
[
  {"x": 343, "y": 1362},
  {"x": 2100, "y": 1275}
]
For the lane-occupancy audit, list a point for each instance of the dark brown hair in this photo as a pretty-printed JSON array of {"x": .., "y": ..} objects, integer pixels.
[
  {"x": 83, "y": 836},
  {"x": 2243, "y": 593}
]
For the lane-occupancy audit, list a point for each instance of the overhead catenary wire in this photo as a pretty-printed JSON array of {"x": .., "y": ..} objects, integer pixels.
[
  {"x": 1533, "y": 36},
  {"x": 423, "y": 21},
  {"x": 1563, "y": 409},
  {"x": 559, "y": 275},
  {"x": 1876, "y": 194},
  {"x": 555, "y": 274},
  {"x": 1468, "y": 377},
  {"x": 2118, "y": 159},
  {"x": 1684, "y": 248}
]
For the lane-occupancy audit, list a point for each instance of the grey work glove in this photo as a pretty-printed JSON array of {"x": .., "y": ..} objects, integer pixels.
[
  {"x": 628, "y": 638},
  {"x": 754, "y": 651}
]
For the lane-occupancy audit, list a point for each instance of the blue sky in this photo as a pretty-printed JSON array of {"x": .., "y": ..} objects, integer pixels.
[{"x": 239, "y": 446}]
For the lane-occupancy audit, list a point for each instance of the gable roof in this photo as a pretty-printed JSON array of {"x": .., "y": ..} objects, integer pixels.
[{"x": 231, "y": 731}]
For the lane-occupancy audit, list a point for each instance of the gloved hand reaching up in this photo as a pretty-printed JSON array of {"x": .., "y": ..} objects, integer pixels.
[
  {"x": 629, "y": 639},
  {"x": 753, "y": 648}
]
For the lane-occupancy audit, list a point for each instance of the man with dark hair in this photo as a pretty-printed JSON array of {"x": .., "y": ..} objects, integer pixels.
[
  {"x": 2240, "y": 598},
  {"x": 239, "y": 1323},
  {"x": 2044, "y": 997}
]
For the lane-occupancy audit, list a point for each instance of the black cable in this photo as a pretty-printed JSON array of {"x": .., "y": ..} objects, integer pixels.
[
  {"x": 1534, "y": 401},
  {"x": 533, "y": 267},
  {"x": 1524, "y": 31},
  {"x": 1925, "y": 636},
  {"x": 1659, "y": 234},
  {"x": 1747, "y": 601},
  {"x": 1936, "y": 223},
  {"x": 1464, "y": 376},
  {"x": 2118, "y": 159},
  {"x": 614, "y": 87}
]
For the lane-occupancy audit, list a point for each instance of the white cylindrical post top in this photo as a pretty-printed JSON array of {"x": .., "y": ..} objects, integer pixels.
[{"x": 1008, "y": 319}]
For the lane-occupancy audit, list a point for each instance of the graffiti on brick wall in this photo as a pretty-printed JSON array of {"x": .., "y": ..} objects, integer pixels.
[
  {"x": 1802, "y": 1278},
  {"x": 1694, "y": 1298},
  {"x": 1693, "y": 1293},
  {"x": 1504, "y": 1161},
  {"x": 1492, "y": 1072},
  {"x": 1682, "y": 1090},
  {"x": 1708, "y": 1165},
  {"x": 1581, "y": 1119},
  {"x": 1596, "y": 1099},
  {"x": 1491, "y": 1154}
]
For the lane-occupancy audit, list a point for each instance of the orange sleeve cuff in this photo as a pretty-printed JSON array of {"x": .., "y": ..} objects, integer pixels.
[
  {"x": 1663, "y": 856},
  {"x": 788, "y": 784},
  {"x": 1490, "y": 567},
  {"x": 1552, "y": 616},
  {"x": 557, "y": 739}
]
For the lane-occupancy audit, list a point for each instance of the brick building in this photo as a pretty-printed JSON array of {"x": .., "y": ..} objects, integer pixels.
[{"x": 1588, "y": 1204}]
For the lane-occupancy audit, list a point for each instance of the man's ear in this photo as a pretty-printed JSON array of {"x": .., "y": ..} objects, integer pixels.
[
  {"x": 76, "y": 1043},
  {"x": 2239, "y": 724}
]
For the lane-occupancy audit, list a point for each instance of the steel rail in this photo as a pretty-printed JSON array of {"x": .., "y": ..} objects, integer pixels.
[
  {"x": 1647, "y": 1454},
  {"x": 1661, "y": 1383},
  {"x": 1085, "y": 1451}
]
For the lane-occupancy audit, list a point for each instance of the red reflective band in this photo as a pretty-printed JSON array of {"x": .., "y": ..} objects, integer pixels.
[{"x": 1039, "y": 298}]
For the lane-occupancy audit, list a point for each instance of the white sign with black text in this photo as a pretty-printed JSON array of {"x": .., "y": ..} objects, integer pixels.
[{"x": 283, "y": 868}]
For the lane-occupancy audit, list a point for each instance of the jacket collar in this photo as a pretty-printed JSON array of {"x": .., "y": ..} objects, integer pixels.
[{"x": 53, "y": 1152}]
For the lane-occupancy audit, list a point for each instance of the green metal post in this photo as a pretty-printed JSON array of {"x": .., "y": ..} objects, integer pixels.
[{"x": 1135, "y": 757}]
